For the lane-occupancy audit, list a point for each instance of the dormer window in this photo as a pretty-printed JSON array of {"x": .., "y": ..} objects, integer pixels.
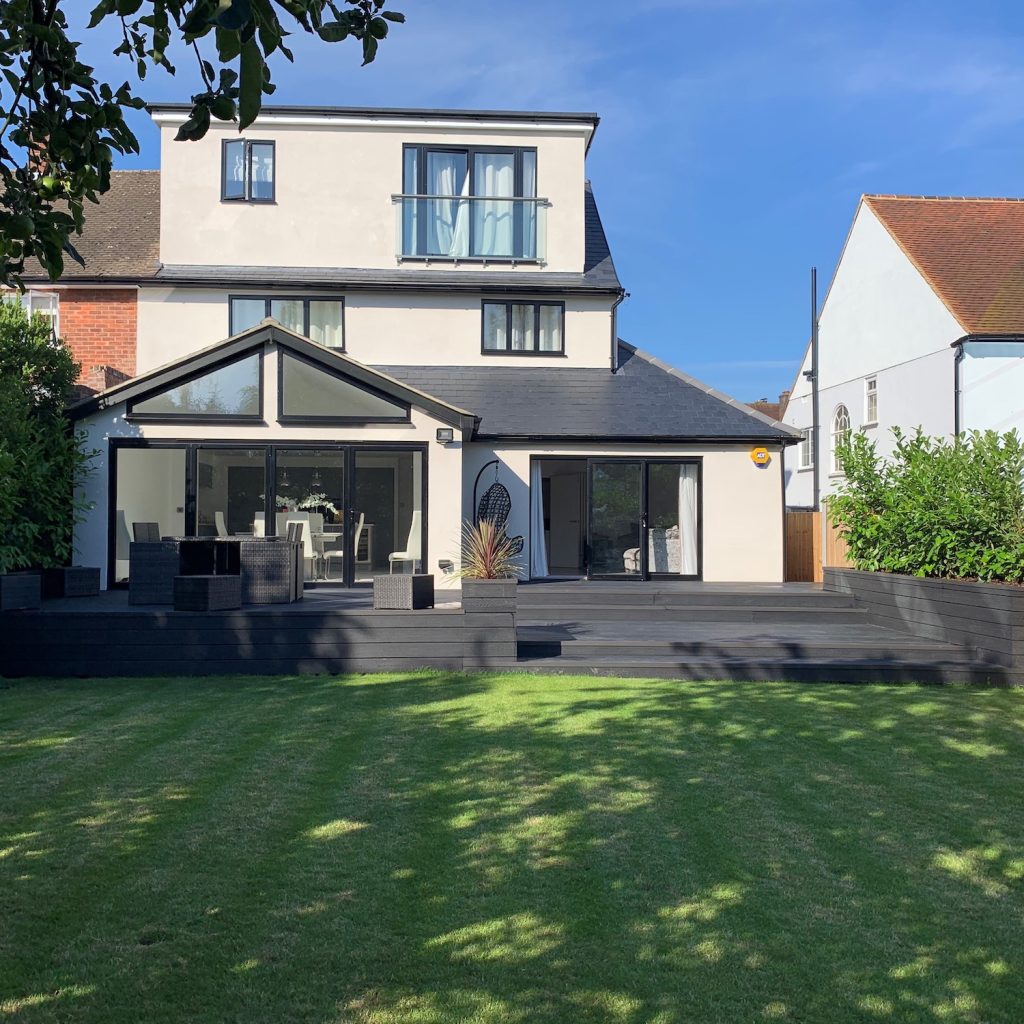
[
  {"x": 247, "y": 171},
  {"x": 474, "y": 203}
]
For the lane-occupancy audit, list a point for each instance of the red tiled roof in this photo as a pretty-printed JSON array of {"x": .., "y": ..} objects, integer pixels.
[{"x": 971, "y": 252}]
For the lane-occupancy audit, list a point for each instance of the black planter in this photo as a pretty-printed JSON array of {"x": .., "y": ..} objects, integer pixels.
[
  {"x": 489, "y": 595},
  {"x": 71, "y": 581},
  {"x": 20, "y": 590}
]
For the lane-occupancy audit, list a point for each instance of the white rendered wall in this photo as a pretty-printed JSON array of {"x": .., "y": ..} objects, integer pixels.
[
  {"x": 380, "y": 328},
  {"x": 992, "y": 387},
  {"x": 334, "y": 185},
  {"x": 742, "y": 502},
  {"x": 880, "y": 318}
]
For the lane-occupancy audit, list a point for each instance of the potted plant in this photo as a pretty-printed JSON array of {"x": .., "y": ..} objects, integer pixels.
[{"x": 489, "y": 572}]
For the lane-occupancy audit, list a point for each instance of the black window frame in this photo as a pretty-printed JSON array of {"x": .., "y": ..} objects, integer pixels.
[
  {"x": 307, "y": 420},
  {"x": 422, "y": 148},
  {"x": 304, "y": 299},
  {"x": 248, "y": 196},
  {"x": 508, "y": 350},
  {"x": 192, "y": 448},
  {"x": 151, "y": 417}
]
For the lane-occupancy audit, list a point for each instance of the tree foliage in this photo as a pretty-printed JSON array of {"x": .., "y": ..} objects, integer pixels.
[
  {"x": 61, "y": 126},
  {"x": 41, "y": 459},
  {"x": 952, "y": 509}
]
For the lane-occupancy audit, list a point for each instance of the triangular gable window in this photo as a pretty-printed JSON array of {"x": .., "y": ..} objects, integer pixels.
[
  {"x": 309, "y": 392},
  {"x": 232, "y": 391}
]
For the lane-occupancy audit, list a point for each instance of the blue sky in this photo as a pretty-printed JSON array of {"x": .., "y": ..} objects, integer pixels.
[{"x": 736, "y": 135}]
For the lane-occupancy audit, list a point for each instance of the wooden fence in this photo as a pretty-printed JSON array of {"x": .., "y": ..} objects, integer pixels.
[
  {"x": 809, "y": 537},
  {"x": 803, "y": 547}
]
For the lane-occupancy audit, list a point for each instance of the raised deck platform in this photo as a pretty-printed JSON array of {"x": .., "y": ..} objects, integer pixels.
[
  {"x": 685, "y": 630},
  {"x": 666, "y": 629}
]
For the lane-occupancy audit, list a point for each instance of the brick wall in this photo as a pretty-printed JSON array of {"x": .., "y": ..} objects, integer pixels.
[{"x": 99, "y": 326}]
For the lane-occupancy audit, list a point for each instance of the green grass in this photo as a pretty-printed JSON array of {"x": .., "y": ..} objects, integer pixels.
[{"x": 441, "y": 848}]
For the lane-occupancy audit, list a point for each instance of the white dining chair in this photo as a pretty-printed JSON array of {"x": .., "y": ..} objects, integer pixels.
[
  {"x": 413, "y": 546},
  {"x": 259, "y": 525},
  {"x": 309, "y": 555},
  {"x": 339, "y": 552},
  {"x": 218, "y": 519}
]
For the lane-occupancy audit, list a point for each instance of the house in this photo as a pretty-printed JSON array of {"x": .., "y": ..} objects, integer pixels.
[
  {"x": 365, "y": 319},
  {"x": 922, "y": 326},
  {"x": 94, "y": 306}
]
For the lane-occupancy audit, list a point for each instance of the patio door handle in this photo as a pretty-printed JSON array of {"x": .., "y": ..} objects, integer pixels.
[{"x": 643, "y": 521}]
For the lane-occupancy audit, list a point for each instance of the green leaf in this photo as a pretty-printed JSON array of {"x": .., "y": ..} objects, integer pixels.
[
  {"x": 379, "y": 28},
  {"x": 333, "y": 31},
  {"x": 395, "y": 16},
  {"x": 232, "y": 18},
  {"x": 250, "y": 88},
  {"x": 369, "y": 49}
]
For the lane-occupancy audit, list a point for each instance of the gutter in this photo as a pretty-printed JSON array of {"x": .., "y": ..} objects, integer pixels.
[{"x": 619, "y": 299}]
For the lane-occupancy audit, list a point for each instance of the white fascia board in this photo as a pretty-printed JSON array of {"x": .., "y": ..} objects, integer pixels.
[{"x": 291, "y": 120}]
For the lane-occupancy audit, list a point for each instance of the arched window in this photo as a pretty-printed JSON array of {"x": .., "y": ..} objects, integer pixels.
[{"x": 840, "y": 434}]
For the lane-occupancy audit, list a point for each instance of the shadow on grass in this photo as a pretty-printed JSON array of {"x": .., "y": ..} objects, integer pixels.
[{"x": 481, "y": 848}]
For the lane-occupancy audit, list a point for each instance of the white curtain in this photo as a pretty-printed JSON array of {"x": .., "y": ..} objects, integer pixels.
[
  {"x": 448, "y": 221},
  {"x": 688, "y": 519},
  {"x": 494, "y": 176},
  {"x": 538, "y": 548}
]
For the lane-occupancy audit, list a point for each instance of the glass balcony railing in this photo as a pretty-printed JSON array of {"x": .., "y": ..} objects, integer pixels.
[{"x": 470, "y": 228}]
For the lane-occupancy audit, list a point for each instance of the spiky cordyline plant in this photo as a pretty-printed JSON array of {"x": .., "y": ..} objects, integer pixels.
[{"x": 487, "y": 553}]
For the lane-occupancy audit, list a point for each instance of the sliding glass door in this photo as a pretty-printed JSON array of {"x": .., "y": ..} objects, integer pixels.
[
  {"x": 643, "y": 519},
  {"x": 616, "y": 511},
  {"x": 362, "y": 508}
]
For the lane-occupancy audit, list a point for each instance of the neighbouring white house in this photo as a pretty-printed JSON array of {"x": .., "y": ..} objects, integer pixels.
[
  {"x": 922, "y": 326},
  {"x": 366, "y": 318}
]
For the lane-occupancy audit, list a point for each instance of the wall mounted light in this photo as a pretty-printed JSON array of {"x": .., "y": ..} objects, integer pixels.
[{"x": 445, "y": 435}]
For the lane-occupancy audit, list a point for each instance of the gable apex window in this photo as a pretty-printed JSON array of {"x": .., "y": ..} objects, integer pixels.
[
  {"x": 229, "y": 392},
  {"x": 470, "y": 202},
  {"x": 320, "y": 319},
  {"x": 247, "y": 171},
  {"x": 523, "y": 328},
  {"x": 311, "y": 393}
]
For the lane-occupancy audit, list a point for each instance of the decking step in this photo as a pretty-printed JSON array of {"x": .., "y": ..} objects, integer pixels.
[
  {"x": 538, "y": 597},
  {"x": 810, "y": 670},
  {"x": 825, "y": 612},
  {"x": 754, "y": 648}
]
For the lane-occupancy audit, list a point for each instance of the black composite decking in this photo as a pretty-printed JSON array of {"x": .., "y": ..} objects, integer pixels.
[{"x": 665, "y": 628}]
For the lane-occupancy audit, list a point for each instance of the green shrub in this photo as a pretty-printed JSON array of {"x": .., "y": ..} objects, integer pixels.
[
  {"x": 41, "y": 459},
  {"x": 952, "y": 509}
]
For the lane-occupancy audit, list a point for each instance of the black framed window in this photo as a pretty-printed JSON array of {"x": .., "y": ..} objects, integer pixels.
[
  {"x": 247, "y": 171},
  {"x": 523, "y": 328},
  {"x": 232, "y": 391},
  {"x": 307, "y": 393},
  {"x": 469, "y": 202},
  {"x": 320, "y": 319}
]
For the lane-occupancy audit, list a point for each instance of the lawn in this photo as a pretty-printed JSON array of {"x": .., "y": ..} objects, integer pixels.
[{"x": 440, "y": 848}]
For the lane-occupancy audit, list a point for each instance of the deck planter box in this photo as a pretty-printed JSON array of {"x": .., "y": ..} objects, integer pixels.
[
  {"x": 71, "y": 581},
  {"x": 489, "y": 607},
  {"x": 986, "y": 617},
  {"x": 489, "y": 595},
  {"x": 403, "y": 591},
  {"x": 20, "y": 590},
  {"x": 194, "y": 593}
]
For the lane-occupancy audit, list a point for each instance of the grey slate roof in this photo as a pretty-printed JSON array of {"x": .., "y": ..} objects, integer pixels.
[
  {"x": 644, "y": 400},
  {"x": 121, "y": 238},
  {"x": 598, "y": 272}
]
